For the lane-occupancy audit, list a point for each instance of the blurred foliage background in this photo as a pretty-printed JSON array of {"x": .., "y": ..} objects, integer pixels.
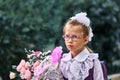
[{"x": 38, "y": 24}]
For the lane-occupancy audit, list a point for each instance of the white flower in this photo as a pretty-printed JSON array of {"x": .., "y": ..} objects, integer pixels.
[{"x": 12, "y": 75}]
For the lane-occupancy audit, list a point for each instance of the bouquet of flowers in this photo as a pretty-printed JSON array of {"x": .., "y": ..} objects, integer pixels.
[{"x": 40, "y": 66}]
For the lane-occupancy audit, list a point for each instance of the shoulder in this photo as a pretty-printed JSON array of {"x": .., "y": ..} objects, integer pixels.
[
  {"x": 93, "y": 56},
  {"x": 88, "y": 57},
  {"x": 80, "y": 58}
]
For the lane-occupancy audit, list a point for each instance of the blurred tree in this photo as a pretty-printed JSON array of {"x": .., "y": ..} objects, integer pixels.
[
  {"x": 117, "y": 2},
  {"x": 37, "y": 24}
]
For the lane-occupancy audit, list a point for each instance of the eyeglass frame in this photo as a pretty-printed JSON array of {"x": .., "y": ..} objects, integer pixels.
[{"x": 72, "y": 37}]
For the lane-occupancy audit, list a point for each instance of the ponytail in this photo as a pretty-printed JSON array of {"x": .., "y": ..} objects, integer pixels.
[{"x": 90, "y": 50}]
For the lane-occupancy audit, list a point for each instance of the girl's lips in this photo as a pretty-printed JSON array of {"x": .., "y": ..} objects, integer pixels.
[{"x": 70, "y": 45}]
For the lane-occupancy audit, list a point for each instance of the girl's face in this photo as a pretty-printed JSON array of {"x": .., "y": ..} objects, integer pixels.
[{"x": 74, "y": 39}]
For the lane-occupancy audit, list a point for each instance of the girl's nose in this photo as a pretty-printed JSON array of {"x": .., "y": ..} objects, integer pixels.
[{"x": 70, "y": 40}]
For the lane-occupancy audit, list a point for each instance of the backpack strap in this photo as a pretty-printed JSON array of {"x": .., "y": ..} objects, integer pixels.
[
  {"x": 90, "y": 77},
  {"x": 104, "y": 70}
]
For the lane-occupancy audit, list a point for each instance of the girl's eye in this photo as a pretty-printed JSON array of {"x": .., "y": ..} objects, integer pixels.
[
  {"x": 74, "y": 36},
  {"x": 67, "y": 36}
]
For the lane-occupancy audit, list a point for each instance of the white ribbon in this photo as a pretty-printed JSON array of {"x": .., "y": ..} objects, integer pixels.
[{"x": 83, "y": 19}]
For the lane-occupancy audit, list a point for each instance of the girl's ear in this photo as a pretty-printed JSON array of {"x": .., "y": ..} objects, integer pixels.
[{"x": 86, "y": 39}]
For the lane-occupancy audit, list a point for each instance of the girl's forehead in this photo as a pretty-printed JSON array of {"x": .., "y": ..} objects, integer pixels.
[{"x": 77, "y": 28}]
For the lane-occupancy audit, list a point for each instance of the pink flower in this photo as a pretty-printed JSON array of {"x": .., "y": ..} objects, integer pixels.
[
  {"x": 27, "y": 75},
  {"x": 56, "y": 55},
  {"x": 37, "y": 53},
  {"x": 22, "y": 63},
  {"x": 36, "y": 64},
  {"x": 27, "y": 65},
  {"x": 36, "y": 70},
  {"x": 22, "y": 71}
]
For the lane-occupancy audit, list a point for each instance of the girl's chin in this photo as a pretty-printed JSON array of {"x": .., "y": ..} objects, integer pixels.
[{"x": 70, "y": 48}]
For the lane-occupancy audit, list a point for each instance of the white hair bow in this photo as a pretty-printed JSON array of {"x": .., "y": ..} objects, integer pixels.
[{"x": 83, "y": 19}]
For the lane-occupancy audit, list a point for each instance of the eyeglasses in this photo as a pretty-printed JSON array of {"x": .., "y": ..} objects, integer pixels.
[{"x": 73, "y": 37}]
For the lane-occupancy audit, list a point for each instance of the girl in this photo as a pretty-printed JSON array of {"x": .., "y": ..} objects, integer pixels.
[{"x": 79, "y": 63}]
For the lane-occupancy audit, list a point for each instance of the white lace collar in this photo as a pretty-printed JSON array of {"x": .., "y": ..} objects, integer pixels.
[
  {"x": 81, "y": 56},
  {"x": 78, "y": 68}
]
